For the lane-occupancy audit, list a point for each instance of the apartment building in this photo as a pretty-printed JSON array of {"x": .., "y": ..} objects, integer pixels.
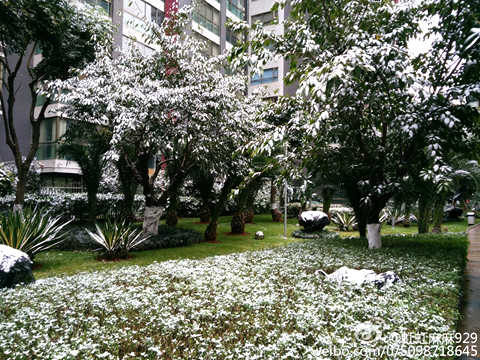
[
  {"x": 128, "y": 16},
  {"x": 272, "y": 78}
]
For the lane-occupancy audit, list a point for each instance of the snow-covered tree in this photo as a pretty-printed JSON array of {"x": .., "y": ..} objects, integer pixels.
[
  {"x": 66, "y": 37},
  {"x": 173, "y": 106},
  {"x": 364, "y": 113}
]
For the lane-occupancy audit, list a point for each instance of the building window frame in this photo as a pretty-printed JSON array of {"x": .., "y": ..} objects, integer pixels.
[{"x": 268, "y": 76}]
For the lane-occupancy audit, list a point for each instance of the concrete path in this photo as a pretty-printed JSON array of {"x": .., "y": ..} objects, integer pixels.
[{"x": 471, "y": 303}]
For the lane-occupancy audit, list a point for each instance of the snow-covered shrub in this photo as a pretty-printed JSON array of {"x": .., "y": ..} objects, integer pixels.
[
  {"x": 262, "y": 200},
  {"x": 33, "y": 178},
  {"x": 109, "y": 183},
  {"x": 269, "y": 304},
  {"x": 7, "y": 181},
  {"x": 189, "y": 206},
  {"x": 73, "y": 205},
  {"x": 294, "y": 209}
]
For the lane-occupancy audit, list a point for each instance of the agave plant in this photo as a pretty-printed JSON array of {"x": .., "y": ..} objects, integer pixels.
[
  {"x": 344, "y": 220},
  {"x": 117, "y": 239},
  {"x": 31, "y": 231}
]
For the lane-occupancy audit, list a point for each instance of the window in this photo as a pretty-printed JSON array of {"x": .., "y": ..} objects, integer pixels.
[
  {"x": 232, "y": 37},
  {"x": 207, "y": 16},
  {"x": 133, "y": 23},
  {"x": 267, "y": 18},
  {"x": 157, "y": 16},
  {"x": 127, "y": 44},
  {"x": 51, "y": 129},
  {"x": 135, "y": 7},
  {"x": 211, "y": 49},
  {"x": 268, "y": 76},
  {"x": 104, "y": 4},
  {"x": 237, "y": 7}
]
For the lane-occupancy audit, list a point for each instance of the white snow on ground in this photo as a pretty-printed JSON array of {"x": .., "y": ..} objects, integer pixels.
[{"x": 256, "y": 305}]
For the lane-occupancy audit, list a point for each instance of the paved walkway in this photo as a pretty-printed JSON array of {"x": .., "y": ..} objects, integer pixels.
[{"x": 471, "y": 303}]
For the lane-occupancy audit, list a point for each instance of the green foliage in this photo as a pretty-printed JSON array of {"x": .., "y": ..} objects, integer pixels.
[
  {"x": 344, "y": 220},
  {"x": 31, "y": 231},
  {"x": 7, "y": 181},
  {"x": 87, "y": 144},
  {"x": 117, "y": 239},
  {"x": 67, "y": 39},
  {"x": 65, "y": 36}
]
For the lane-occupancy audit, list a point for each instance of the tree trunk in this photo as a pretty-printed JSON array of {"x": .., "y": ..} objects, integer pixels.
[
  {"x": 151, "y": 220},
  {"x": 237, "y": 224},
  {"x": 92, "y": 205},
  {"x": 438, "y": 213},
  {"x": 128, "y": 187},
  {"x": 327, "y": 197},
  {"x": 173, "y": 190},
  {"x": 274, "y": 203},
  {"x": 249, "y": 215},
  {"x": 20, "y": 192},
  {"x": 373, "y": 224},
  {"x": 406, "y": 215},
  {"x": 211, "y": 231},
  {"x": 424, "y": 212},
  {"x": 171, "y": 218},
  {"x": 204, "y": 215},
  {"x": 217, "y": 208},
  {"x": 373, "y": 236}
]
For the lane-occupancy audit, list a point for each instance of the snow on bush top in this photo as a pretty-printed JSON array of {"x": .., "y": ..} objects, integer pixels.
[{"x": 255, "y": 305}]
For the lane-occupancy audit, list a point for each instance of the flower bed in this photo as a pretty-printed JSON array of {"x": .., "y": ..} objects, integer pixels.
[{"x": 269, "y": 304}]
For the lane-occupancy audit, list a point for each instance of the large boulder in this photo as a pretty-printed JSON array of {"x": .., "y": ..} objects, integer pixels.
[
  {"x": 313, "y": 220},
  {"x": 363, "y": 276},
  {"x": 15, "y": 267}
]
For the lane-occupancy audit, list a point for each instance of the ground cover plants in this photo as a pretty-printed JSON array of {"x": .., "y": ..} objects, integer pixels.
[
  {"x": 269, "y": 304},
  {"x": 62, "y": 262}
]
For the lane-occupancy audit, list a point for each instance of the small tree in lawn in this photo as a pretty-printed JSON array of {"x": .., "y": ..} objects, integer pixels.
[
  {"x": 364, "y": 113},
  {"x": 203, "y": 183},
  {"x": 229, "y": 163},
  {"x": 87, "y": 144},
  {"x": 66, "y": 38}
]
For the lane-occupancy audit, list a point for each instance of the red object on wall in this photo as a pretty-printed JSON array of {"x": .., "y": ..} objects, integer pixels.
[{"x": 171, "y": 7}]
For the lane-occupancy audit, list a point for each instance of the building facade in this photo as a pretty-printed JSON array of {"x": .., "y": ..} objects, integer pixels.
[
  {"x": 274, "y": 72},
  {"x": 128, "y": 16}
]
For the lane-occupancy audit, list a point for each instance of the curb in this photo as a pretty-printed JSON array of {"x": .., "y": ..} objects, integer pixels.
[{"x": 473, "y": 227}]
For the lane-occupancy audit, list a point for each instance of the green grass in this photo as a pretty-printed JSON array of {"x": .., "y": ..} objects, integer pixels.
[
  {"x": 450, "y": 226},
  {"x": 59, "y": 263}
]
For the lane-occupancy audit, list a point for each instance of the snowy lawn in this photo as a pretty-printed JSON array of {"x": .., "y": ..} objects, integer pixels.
[{"x": 269, "y": 304}]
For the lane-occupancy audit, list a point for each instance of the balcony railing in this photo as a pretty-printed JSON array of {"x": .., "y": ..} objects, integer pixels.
[{"x": 206, "y": 23}]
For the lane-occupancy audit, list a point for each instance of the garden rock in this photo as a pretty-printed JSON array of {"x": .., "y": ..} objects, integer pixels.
[
  {"x": 453, "y": 213},
  {"x": 259, "y": 235},
  {"x": 78, "y": 239},
  {"x": 363, "y": 276},
  {"x": 313, "y": 220},
  {"x": 15, "y": 267}
]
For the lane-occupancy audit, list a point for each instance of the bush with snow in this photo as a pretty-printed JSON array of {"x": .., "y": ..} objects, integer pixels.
[{"x": 268, "y": 304}]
